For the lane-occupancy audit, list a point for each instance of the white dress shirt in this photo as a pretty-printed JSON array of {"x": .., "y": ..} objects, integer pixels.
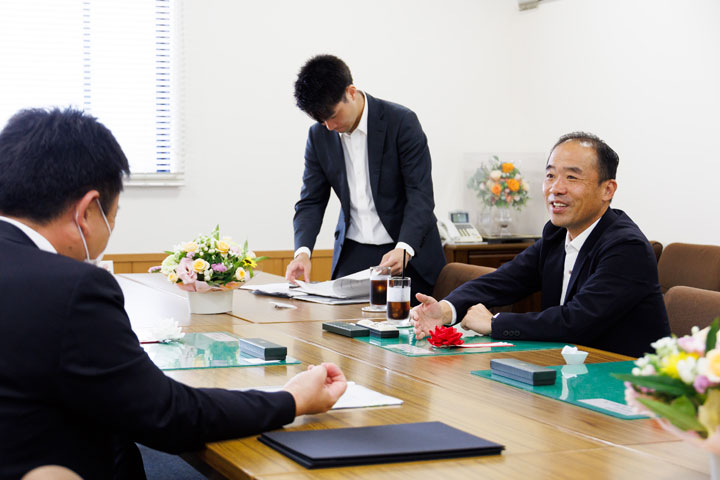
[
  {"x": 365, "y": 225},
  {"x": 572, "y": 249},
  {"x": 41, "y": 242}
]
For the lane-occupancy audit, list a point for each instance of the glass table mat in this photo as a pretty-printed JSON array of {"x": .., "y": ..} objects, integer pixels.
[
  {"x": 589, "y": 386},
  {"x": 205, "y": 350},
  {"x": 407, "y": 345}
]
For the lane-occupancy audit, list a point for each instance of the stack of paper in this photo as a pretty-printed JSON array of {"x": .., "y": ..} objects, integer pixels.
[{"x": 353, "y": 288}]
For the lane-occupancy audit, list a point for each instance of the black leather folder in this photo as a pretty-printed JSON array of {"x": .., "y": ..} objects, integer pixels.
[{"x": 341, "y": 447}]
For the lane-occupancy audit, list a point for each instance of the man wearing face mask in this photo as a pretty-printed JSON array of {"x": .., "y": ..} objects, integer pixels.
[{"x": 76, "y": 388}]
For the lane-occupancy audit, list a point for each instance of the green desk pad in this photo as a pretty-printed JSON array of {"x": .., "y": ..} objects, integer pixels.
[
  {"x": 589, "y": 386},
  {"x": 205, "y": 350},
  {"x": 407, "y": 345}
]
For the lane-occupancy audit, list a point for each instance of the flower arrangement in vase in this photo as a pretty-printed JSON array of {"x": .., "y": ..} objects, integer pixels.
[
  {"x": 500, "y": 185},
  {"x": 209, "y": 263}
]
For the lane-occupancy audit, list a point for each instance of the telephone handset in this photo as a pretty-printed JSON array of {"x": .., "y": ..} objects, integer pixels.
[{"x": 459, "y": 229}]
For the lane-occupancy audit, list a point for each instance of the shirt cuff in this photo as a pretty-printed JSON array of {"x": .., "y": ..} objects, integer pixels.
[
  {"x": 454, "y": 312},
  {"x": 406, "y": 247},
  {"x": 303, "y": 250}
]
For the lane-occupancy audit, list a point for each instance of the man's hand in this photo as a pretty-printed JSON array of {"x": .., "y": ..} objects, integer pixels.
[
  {"x": 394, "y": 260},
  {"x": 479, "y": 319},
  {"x": 317, "y": 389},
  {"x": 299, "y": 267},
  {"x": 428, "y": 315}
]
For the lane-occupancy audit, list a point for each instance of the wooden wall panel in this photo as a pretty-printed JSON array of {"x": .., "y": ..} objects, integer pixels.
[{"x": 276, "y": 263}]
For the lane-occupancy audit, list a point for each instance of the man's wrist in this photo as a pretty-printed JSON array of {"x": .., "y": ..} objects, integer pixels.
[
  {"x": 406, "y": 247},
  {"x": 304, "y": 250},
  {"x": 449, "y": 312}
]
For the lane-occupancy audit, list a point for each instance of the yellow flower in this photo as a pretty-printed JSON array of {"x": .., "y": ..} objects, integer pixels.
[
  {"x": 249, "y": 262},
  {"x": 709, "y": 412},
  {"x": 190, "y": 247},
  {"x": 507, "y": 167},
  {"x": 200, "y": 265},
  {"x": 223, "y": 247},
  {"x": 713, "y": 364},
  {"x": 241, "y": 275},
  {"x": 513, "y": 185},
  {"x": 172, "y": 277},
  {"x": 669, "y": 364}
]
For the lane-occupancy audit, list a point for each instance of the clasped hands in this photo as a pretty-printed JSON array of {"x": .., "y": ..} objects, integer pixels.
[{"x": 431, "y": 313}]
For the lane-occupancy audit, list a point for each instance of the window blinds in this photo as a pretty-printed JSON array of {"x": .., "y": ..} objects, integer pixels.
[{"x": 115, "y": 59}]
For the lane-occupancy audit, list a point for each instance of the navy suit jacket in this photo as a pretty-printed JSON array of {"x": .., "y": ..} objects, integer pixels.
[
  {"x": 613, "y": 301},
  {"x": 400, "y": 179},
  {"x": 75, "y": 383}
]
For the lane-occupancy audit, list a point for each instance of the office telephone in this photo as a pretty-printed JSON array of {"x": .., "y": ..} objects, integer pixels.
[{"x": 459, "y": 229}]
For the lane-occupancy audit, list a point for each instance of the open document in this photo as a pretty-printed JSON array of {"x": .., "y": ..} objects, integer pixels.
[
  {"x": 350, "y": 289},
  {"x": 351, "y": 286}
]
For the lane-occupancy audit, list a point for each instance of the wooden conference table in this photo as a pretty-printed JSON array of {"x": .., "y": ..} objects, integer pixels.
[{"x": 544, "y": 438}]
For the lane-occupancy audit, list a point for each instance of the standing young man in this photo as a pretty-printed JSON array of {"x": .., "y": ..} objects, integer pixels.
[{"x": 375, "y": 156}]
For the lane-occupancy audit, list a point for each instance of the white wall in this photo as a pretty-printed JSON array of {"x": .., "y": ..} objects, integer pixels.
[{"x": 482, "y": 77}]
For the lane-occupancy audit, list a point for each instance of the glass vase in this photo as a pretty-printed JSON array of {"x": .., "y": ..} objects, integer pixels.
[{"x": 502, "y": 220}]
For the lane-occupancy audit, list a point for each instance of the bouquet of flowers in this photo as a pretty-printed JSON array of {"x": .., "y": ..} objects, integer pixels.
[
  {"x": 209, "y": 263},
  {"x": 680, "y": 384},
  {"x": 500, "y": 184}
]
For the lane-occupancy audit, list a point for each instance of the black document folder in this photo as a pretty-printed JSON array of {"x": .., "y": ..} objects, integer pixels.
[{"x": 341, "y": 447}]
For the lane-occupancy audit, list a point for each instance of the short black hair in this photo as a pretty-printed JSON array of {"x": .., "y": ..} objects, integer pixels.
[
  {"x": 321, "y": 85},
  {"x": 51, "y": 158},
  {"x": 607, "y": 159}
]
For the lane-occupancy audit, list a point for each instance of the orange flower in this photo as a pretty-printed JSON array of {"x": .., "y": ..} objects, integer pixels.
[
  {"x": 507, "y": 167},
  {"x": 513, "y": 185},
  {"x": 496, "y": 189}
]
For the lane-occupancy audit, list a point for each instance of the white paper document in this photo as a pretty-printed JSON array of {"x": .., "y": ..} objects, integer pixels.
[
  {"x": 351, "y": 286},
  {"x": 356, "y": 396}
]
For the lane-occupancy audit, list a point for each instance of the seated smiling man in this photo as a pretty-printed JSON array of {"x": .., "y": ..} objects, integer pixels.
[
  {"x": 76, "y": 388},
  {"x": 596, "y": 270}
]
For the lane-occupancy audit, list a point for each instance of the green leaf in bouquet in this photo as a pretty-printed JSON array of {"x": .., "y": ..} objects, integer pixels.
[
  {"x": 684, "y": 405},
  {"x": 659, "y": 383},
  {"x": 216, "y": 233},
  {"x": 712, "y": 335},
  {"x": 260, "y": 259},
  {"x": 676, "y": 414}
]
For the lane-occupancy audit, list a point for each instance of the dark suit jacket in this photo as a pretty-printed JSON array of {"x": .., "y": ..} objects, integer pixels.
[
  {"x": 400, "y": 180},
  {"x": 613, "y": 301},
  {"x": 75, "y": 383}
]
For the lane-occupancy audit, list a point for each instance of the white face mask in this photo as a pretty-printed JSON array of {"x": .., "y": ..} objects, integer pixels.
[{"x": 97, "y": 260}]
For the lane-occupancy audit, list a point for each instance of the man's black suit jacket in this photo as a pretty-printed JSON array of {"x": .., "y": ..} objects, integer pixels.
[
  {"x": 613, "y": 301},
  {"x": 399, "y": 167},
  {"x": 75, "y": 385}
]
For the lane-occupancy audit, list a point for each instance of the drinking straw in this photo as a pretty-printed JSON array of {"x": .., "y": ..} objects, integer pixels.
[{"x": 403, "y": 264}]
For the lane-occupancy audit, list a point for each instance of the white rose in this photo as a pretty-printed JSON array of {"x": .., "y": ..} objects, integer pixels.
[{"x": 495, "y": 175}]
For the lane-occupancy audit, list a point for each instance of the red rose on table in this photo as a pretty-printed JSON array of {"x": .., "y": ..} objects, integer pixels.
[{"x": 445, "y": 336}]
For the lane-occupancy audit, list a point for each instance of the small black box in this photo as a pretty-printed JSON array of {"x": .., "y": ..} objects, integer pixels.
[
  {"x": 346, "y": 328},
  {"x": 261, "y": 348},
  {"x": 384, "y": 331},
  {"x": 523, "y": 371}
]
